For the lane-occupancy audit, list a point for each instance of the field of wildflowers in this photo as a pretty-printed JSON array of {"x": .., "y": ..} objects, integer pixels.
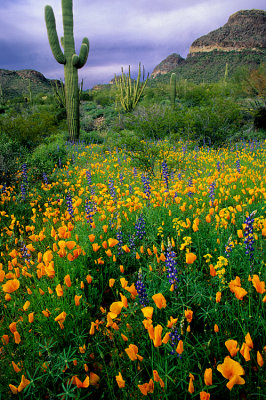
[{"x": 118, "y": 284}]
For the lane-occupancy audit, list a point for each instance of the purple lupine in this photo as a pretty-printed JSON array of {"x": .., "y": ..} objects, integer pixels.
[
  {"x": 23, "y": 191},
  {"x": 25, "y": 252},
  {"x": 248, "y": 235},
  {"x": 69, "y": 205},
  {"x": 190, "y": 184},
  {"x": 45, "y": 179},
  {"x": 165, "y": 174},
  {"x": 211, "y": 191},
  {"x": 119, "y": 237},
  {"x": 112, "y": 188},
  {"x": 228, "y": 247},
  {"x": 24, "y": 173},
  {"x": 121, "y": 178},
  {"x": 146, "y": 184},
  {"x": 140, "y": 227},
  {"x": 174, "y": 339},
  {"x": 89, "y": 209},
  {"x": 3, "y": 190},
  {"x": 170, "y": 264},
  {"x": 59, "y": 163},
  {"x": 141, "y": 289},
  {"x": 218, "y": 166},
  {"x": 238, "y": 165},
  {"x": 88, "y": 175}
]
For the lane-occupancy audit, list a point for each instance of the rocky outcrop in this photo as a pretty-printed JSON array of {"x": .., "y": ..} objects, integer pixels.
[
  {"x": 167, "y": 65},
  {"x": 240, "y": 42},
  {"x": 245, "y": 30}
]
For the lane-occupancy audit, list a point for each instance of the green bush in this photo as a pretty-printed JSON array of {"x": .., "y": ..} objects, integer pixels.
[
  {"x": 91, "y": 137},
  {"x": 11, "y": 156},
  {"x": 45, "y": 156},
  {"x": 153, "y": 122},
  {"x": 28, "y": 130}
]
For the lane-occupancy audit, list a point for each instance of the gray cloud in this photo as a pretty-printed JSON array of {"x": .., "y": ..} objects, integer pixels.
[{"x": 120, "y": 32}]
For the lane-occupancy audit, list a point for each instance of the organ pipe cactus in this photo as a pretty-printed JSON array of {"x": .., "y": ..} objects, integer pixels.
[
  {"x": 71, "y": 61},
  {"x": 173, "y": 88},
  {"x": 130, "y": 93}
]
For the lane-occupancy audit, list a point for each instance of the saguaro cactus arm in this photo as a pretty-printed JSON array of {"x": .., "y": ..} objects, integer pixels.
[
  {"x": 52, "y": 35},
  {"x": 80, "y": 61}
]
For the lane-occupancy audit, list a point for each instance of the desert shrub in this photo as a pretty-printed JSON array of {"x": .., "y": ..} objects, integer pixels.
[
  {"x": 28, "y": 130},
  {"x": 152, "y": 122},
  {"x": 91, "y": 137},
  {"x": 45, "y": 156},
  {"x": 214, "y": 122},
  {"x": 12, "y": 153}
]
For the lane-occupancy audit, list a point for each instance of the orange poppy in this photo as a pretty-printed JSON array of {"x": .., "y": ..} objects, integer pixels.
[
  {"x": 258, "y": 285},
  {"x": 112, "y": 242},
  {"x": 188, "y": 315},
  {"x": 146, "y": 387},
  {"x": 245, "y": 350},
  {"x": 159, "y": 300},
  {"x": 11, "y": 286},
  {"x": 218, "y": 297},
  {"x": 231, "y": 346},
  {"x": 120, "y": 381},
  {"x": 147, "y": 312},
  {"x": 111, "y": 282},
  {"x": 31, "y": 317},
  {"x": 204, "y": 396},
  {"x": 231, "y": 370},
  {"x": 157, "y": 341},
  {"x": 59, "y": 290},
  {"x": 208, "y": 376},
  {"x": 94, "y": 379},
  {"x": 191, "y": 385},
  {"x": 190, "y": 258},
  {"x": 180, "y": 347},
  {"x": 95, "y": 247},
  {"x": 116, "y": 307},
  {"x": 77, "y": 300},
  {"x": 259, "y": 359},
  {"x": 132, "y": 352},
  {"x": 67, "y": 280}
]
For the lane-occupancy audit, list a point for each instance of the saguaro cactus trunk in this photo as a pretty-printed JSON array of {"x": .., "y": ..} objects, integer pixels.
[{"x": 71, "y": 61}]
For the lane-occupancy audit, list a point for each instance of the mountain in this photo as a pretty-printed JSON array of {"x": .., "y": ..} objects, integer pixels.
[
  {"x": 240, "y": 42},
  {"x": 18, "y": 83}
]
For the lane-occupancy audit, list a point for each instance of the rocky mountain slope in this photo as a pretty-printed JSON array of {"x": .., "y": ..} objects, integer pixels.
[
  {"x": 240, "y": 42},
  {"x": 17, "y": 83}
]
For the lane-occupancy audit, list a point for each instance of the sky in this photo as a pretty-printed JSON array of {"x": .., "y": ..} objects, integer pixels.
[{"x": 121, "y": 32}]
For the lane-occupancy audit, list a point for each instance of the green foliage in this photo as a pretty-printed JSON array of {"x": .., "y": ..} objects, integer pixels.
[
  {"x": 47, "y": 155},
  {"x": 72, "y": 62},
  {"x": 28, "y": 129},
  {"x": 173, "y": 89},
  {"x": 129, "y": 93},
  {"x": 12, "y": 155},
  {"x": 91, "y": 137}
]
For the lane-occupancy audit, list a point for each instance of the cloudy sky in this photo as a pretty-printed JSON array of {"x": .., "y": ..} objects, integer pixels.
[{"x": 121, "y": 32}]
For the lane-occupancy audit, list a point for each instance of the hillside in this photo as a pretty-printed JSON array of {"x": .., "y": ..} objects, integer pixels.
[
  {"x": 16, "y": 83},
  {"x": 240, "y": 42}
]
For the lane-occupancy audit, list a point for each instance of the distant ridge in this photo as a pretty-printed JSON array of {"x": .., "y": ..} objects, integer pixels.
[
  {"x": 240, "y": 42},
  {"x": 16, "y": 83}
]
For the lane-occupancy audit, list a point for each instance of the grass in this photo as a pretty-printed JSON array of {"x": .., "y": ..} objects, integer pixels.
[{"x": 116, "y": 284}]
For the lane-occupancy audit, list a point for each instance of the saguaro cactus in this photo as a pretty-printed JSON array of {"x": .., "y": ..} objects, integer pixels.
[
  {"x": 173, "y": 88},
  {"x": 71, "y": 61}
]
